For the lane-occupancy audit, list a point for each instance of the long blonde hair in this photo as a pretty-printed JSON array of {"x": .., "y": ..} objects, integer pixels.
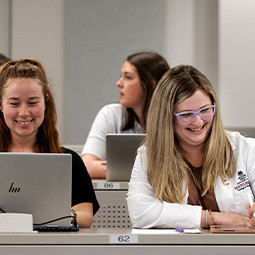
[{"x": 167, "y": 169}]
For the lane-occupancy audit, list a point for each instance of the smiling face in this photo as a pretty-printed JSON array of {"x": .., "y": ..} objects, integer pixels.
[
  {"x": 131, "y": 92},
  {"x": 193, "y": 134},
  {"x": 23, "y": 107}
]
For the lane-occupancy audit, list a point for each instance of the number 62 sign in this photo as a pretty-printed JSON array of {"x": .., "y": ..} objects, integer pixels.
[{"x": 124, "y": 239}]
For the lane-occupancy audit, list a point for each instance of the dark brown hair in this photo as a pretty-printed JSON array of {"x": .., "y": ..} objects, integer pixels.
[
  {"x": 150, "y": 67},
  {"x": 4, "y": 59}
]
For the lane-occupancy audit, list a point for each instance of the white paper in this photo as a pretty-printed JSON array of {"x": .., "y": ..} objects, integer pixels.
[{"x": 165, "y": 231}]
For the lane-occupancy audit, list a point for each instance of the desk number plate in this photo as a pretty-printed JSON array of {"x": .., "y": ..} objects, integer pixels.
[
  {"x": 123, "y": 239},
  {"x": 108, "y": 185}
]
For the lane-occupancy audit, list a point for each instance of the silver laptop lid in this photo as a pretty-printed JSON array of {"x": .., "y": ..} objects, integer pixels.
[
  {"x": 37, "y": 183},
  {"x": 121, "y": 150}
]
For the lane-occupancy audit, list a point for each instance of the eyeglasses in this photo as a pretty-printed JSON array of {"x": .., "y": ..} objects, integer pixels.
[{"x": 188, "y": 117}]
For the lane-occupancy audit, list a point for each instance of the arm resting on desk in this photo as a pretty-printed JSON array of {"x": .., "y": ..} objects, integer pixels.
[
  {"x": 84, "y": 213},
  {"x": 96, "y": 168},
  {"x": 146, "y": 211}
]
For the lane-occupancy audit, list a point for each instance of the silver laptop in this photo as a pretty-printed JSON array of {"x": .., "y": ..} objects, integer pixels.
[
  {"x": 37, "y": 183},
  {"x": 121, "y": 150}
]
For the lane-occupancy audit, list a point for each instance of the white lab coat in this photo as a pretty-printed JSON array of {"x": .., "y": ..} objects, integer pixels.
[{"x": 146, "y": 211}]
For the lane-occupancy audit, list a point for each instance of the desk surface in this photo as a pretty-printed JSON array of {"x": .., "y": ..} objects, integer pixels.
[{"x": 125, "y": 237}]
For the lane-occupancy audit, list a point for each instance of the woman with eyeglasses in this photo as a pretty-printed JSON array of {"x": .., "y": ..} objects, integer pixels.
[{"x": 190, "y": 172}]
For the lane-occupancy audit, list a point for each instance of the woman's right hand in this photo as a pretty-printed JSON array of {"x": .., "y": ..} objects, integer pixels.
[
  {"x": 229, "y": 219},
  {"x": 95, "y": 166}
]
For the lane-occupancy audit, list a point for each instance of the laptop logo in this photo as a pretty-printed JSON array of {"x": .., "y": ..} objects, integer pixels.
[{"x": 13, "y": 189}]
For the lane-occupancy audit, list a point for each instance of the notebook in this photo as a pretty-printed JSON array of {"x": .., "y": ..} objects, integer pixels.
[
  {"x": 231, "y": 229},
  {"x": 38, "y": 184},
  {"x": 121, "y": 150}
]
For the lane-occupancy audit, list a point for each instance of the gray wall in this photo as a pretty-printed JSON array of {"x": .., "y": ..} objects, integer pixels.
[
  {"x": 98, "y": 36},
  {"x": 4, "y": 27},
  {"x": 237, "y": 65},
  {"x": 83, "y": 44},
  {"x": 192, "y": 35},
  {"x": 37, "y": 32}
]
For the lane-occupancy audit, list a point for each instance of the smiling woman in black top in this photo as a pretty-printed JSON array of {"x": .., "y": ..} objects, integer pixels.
[{"x": 28, "y": 124}]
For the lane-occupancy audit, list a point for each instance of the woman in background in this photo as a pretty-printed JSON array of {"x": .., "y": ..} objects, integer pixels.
[
  {"x": 190, "y": 173},
  {"x": 28, "y": 124},
  {"x": 140, "y": 74}
]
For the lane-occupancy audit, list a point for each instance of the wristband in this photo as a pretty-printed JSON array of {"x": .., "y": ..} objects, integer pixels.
[{"x": 74, "y": 215}]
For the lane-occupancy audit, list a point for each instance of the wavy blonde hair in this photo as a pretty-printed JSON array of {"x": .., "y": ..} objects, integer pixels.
[{"x": 167, "y": 170}]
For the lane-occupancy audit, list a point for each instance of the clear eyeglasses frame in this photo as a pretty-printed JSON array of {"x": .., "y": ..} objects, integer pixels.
[{"x": 188, "y": 117}]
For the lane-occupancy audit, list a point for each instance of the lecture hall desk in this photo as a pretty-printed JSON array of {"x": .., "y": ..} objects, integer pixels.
[
  {"x": 121, "y": 241},
  {"x": 113, "y": 212}
]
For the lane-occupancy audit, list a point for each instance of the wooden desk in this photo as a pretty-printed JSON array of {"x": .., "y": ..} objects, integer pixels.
[{"x": 121, "y": 241}]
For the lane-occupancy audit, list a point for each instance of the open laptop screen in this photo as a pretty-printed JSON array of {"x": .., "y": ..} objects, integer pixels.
[
  {"x": 121, "y": 150},
  {"x": 36, "y": 183}
]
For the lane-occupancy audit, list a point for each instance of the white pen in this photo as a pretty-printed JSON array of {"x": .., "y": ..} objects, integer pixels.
[{"x": 251, "y": 201}]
